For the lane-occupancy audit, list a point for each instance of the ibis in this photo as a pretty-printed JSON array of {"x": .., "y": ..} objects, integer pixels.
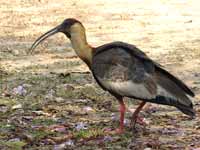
[{"x": 124, "y": 70}]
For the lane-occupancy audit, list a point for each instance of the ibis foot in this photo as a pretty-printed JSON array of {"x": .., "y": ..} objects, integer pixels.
[
  {"x": 138, "y": 120},
  {"x": 113, "y": 132}
]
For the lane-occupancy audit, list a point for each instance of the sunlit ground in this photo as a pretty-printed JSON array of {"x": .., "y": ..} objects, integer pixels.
[{"x": 53, "y": 87}]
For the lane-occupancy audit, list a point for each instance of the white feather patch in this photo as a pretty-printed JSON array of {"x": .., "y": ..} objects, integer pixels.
[{"x": 128, "y": 88}]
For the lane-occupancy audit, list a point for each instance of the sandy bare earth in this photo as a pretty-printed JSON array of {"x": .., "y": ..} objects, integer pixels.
[{"x": 167, "y": 30}]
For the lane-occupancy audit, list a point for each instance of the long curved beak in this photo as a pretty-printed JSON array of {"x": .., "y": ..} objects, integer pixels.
[{"x": 43, "y": 37}]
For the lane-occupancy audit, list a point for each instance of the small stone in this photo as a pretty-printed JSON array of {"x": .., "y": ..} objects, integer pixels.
[
  {"x": 107, "y": 138},
  {"x": 40, "y": 113},
  {"x": 3, "y": 109},
  {"x": 14, "y": 140},
  {"x": 15, "y": 52},
  {"x": 113, "y": 117},
  {"x": 148, "y": 148},
  {"x": 18, "y": 106},
  {"x": 59, "y": 146},
  {"x": 68, "y": 86},
  {"x": 81, "y": 126},
  {"x": 59, "y": 99},
  {"x": 50, "y": 94},
  {"x": 64, "y": 145},
  {"x": 69, "y": 143},
  {"x": 126, "y": 122},
  {"x": 20, "y": 90},
  {"x": 88, "y": 109},
  {"x": 26, "y": 85}
]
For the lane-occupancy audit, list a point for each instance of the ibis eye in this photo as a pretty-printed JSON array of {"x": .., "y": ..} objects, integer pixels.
[{"x": 68, "y": 35}]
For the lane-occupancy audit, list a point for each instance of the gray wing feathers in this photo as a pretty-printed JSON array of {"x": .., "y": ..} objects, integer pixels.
[
  {"x": 125, "y": 70},
  {"x": 175, "y": 80},
  {"x": 172, "y": 88},
  {"x": 121, "y": 73}
]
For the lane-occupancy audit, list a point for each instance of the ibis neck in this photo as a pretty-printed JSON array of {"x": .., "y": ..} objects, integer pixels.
[{"x": 81, "y": 47}]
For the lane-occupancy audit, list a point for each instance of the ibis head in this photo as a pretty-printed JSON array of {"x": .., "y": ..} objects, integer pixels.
[
  {"x": 75, "y": 31},
  {"x": 64, "y": 27}
]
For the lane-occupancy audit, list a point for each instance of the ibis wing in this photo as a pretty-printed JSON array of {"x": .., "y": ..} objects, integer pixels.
[
  {"x": 124, "y": 70},
  {"x": 137, "y": 53},
  {"x": 119, "y": 72}
]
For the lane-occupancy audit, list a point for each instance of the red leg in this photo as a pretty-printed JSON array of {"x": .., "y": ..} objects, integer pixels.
[
  {"x": 122, "y": 110},
  {"x": 135, "y": 114},
  {"x": 122, "y": 113}
]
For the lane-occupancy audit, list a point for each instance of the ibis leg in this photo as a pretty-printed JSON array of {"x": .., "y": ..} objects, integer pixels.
[
  {"x": 122, "y": 113},
  {"x": 135, "y": 114},
  {"x": 122, "y": 109}
]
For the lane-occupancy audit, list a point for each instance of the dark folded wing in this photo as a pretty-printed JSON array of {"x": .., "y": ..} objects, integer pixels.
[
  {"x": 118, "y": 71},
  {"x": 137, "y": 53},
  {"x": 124, "y": 70}
]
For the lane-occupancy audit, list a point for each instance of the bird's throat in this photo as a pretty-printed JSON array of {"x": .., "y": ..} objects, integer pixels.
[{"x": 80, "y": 45}]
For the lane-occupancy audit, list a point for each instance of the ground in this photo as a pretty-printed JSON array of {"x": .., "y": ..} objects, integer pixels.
[{"x": 49, "y": 100}]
